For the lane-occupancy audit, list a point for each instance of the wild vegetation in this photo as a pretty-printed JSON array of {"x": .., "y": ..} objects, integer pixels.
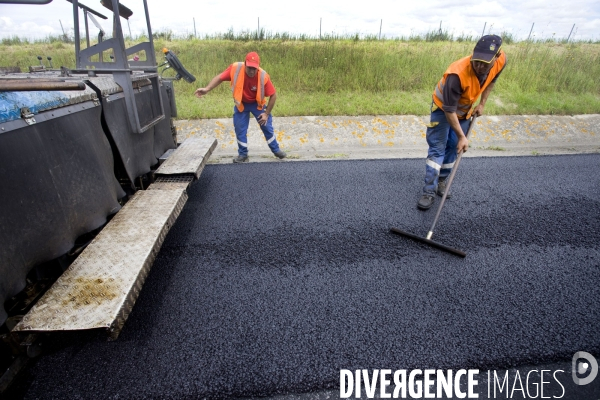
[{"x": 355, "y": 75}]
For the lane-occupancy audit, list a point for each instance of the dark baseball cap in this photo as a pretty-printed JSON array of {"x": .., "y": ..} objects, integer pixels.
[{"x": 486, "y": 48}]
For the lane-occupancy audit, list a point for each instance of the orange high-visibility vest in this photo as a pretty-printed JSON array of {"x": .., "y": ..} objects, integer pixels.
[
  {"x": 237, "y": 74},
  {"x": 469, "y": 83}
]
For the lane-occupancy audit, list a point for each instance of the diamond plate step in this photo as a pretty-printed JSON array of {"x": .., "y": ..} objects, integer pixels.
[
  {"x": 99, "y": 289},
  {"x": 101, "y": 286},
  {"x": 186, "y": 159}
]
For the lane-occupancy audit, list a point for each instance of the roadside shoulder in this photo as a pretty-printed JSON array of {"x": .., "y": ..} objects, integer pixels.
[{"x": 400, "y": 136}]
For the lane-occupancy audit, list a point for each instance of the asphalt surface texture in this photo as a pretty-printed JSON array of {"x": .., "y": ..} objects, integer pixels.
[{"x": 277, "y": 275}]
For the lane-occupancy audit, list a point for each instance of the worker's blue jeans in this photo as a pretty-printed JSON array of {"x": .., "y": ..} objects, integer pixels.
[
  {"x": 442, "y": 141},
  {"x": 240, "y": 124}
]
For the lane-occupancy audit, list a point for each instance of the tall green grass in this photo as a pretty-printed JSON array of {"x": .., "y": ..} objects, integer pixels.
[{"x": 355, "y": 76}]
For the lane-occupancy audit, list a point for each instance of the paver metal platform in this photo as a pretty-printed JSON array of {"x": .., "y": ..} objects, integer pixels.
[
  {"x": 101, "y": 286},
  {"x": 186, "y": 161}
]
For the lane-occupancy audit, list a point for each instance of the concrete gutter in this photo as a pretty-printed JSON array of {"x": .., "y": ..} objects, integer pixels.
[{"x": 399, "y": 136}]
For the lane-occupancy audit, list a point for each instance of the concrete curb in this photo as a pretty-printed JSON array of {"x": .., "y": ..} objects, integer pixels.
[{"x": 399, "y": 136}]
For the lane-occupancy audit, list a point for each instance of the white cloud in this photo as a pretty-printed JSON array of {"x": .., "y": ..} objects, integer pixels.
[{"x": 340, "y": 17}]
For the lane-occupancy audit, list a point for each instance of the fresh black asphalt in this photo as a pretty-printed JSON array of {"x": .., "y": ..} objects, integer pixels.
[{"x": 277, "y": 275}]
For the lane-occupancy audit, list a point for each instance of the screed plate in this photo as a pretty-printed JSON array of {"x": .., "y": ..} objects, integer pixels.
[
  {"x": 186, "y": 159},
  {"x": 99, "y": 289}
]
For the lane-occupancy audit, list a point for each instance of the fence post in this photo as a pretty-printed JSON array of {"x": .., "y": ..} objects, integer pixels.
[
  {"x": 320, "y": 23},
  {"x": 484, "y": 25},
  {"x": 63, "y": 29},
  {"x": 380, "y": 25},
  {"x": 530, "y": 31},
  {"x": 195, "y": 27},
  {"x": 570, "y": 33}
]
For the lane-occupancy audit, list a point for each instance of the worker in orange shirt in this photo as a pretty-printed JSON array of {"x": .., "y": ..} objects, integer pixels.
[
  {"x": 466, "y": 80},
  {"x": 250, "y": 85}
]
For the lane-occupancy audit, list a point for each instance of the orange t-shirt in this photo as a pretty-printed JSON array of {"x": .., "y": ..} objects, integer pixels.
[{"x": 250, "y": 84}]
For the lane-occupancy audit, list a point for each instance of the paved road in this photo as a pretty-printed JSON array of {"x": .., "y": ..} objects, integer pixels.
[{"x": 277, "y": 275}]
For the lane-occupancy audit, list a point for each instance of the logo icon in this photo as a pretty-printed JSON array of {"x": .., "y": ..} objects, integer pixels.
[
  {"x": 581, "y": 368},
  {"x": 492, "y": 47}
]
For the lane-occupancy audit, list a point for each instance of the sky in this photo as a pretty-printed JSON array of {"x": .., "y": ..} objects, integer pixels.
[{"x": 549, "y": 18}]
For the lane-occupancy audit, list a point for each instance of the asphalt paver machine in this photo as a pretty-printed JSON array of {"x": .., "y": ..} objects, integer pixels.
[{"x": 92, "y": 178}]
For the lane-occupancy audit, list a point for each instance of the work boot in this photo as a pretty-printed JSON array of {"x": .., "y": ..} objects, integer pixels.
[
  {"x": 426, "y": 201},
  {"x": 240, "y": 159},
  {"x": 441, "y": 189},
  {"x": 280, "y": 154}
]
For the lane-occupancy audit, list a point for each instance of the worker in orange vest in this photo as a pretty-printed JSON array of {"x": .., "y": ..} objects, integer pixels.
[
  {"x": 453, "y": 103},
  {"x": 250, "y": 85}
]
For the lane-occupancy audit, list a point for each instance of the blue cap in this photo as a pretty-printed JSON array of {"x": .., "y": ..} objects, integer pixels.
[{"x": 486, "y": 48}]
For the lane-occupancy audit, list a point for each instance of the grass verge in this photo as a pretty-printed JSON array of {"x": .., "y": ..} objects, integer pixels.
[{"x": 354, "y": 77}]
